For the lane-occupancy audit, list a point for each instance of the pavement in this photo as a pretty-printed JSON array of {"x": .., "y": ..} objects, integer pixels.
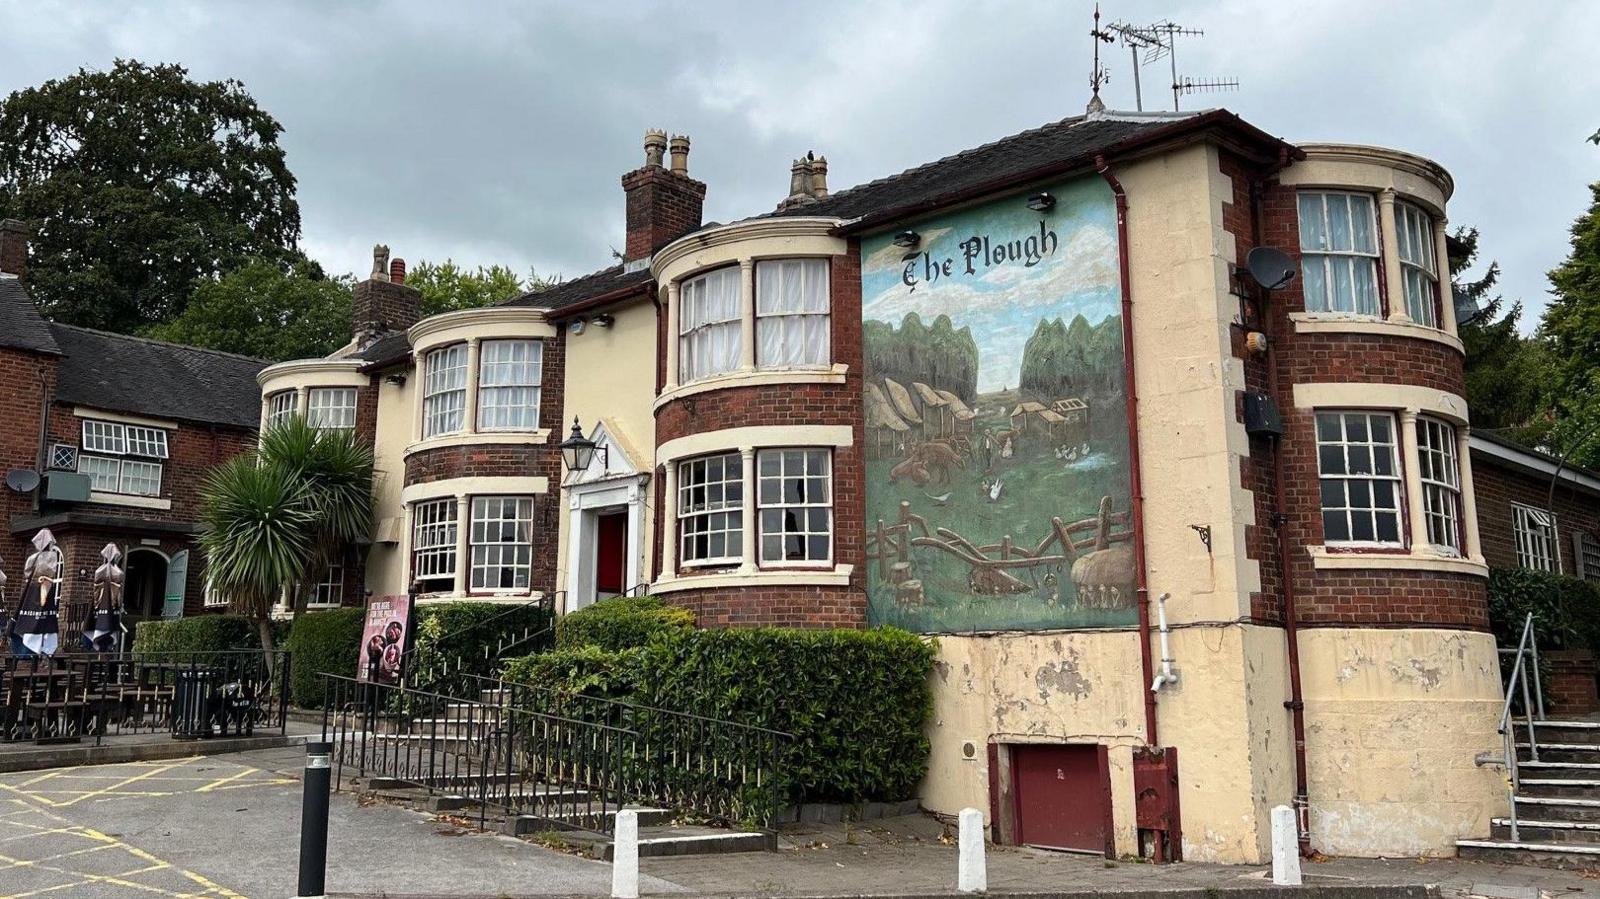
[{"x": 228, "y": 826}]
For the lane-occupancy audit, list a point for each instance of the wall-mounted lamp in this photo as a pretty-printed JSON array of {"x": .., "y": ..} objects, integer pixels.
[
  {"x": 577, "y": 451},
  {"x": 907, "y": 239},
  {"x": 1041, "y": 202},
  {"x": 605, "y": 320},
  {"x": 398, "y": 380}
]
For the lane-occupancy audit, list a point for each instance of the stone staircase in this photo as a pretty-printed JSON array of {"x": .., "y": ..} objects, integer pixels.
[{"x": 1557, "y": 804}]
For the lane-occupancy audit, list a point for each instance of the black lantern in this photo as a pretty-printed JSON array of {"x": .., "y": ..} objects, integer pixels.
[{"x": 577, "y": 451}]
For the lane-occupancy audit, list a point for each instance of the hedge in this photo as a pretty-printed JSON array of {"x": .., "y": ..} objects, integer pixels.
[
  {"x": 622, "y": 622},
  {"x": 452, "y": 632},
  {"x": 322, "y": 642},
  {"x": 202, "y": 633},
  {"x": 855, "y": 702},
  {"x": 1566, "y": 610}
]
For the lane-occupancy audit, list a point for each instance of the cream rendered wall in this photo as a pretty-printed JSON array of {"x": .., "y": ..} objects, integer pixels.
[
  {"x": 387, "y": 568},
  {"x": 1394, "y": 719},
  {"x": 611, "y": 375}
]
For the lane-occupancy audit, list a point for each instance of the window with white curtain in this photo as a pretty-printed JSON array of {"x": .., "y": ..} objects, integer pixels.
[
  {"x": 792, "y": 306},
  {"x": 332, "y": 408},
  {"x": 1339, "y": 253},
  {"x": 1535, "y": 533},
  {"x": 509, "y": 373},
  {"x": 501, "y": 542},
  {"x": 1418, "y": 270},
  {"x": 794, "y": 499},
  {"x": 1359, "y": 470},
  {"x": 444, "y": 390},
  {"x": 280, "y": 406},
  {"x": 1440, "y": 475},
  {"x": 710, "y": 509},
  {"x": 709, "y": 325},
  {"x": 433, "y": 544}
]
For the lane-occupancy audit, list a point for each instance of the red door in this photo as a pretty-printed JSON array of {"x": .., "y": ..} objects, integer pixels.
[
  {"x": 611, "y": 554},
  {"x": 1063, "y": 796}
]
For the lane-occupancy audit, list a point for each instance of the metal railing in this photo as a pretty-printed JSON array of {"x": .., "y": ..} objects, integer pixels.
[
  {"x": 429, "y": 666},
  {"x": 567, "y": 761},
  {"x": 1524, "y": 682},
  {"x": 79, "y": 696}
]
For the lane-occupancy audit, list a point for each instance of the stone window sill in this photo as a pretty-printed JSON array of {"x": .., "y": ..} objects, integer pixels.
[
  {"x": 1350, "y": 323},
  {"x": 511, "y": 598},
  {"x": 754, "y": 378},
  {"x": 1324, "y": 560},
  {"x": 131, "y": 502},
  {"x": 481, "y": 438},
  {"x": 838, "y": 576}
]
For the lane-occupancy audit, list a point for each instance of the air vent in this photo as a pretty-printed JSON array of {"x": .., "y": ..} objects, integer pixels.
[{"x": 64, "y": 457}]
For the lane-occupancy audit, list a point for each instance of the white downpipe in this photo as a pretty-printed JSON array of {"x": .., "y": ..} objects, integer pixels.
[{"x": 1167, "y": 675}]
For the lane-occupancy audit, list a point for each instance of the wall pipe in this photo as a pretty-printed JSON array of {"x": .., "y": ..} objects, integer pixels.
[
  {"x": 1280, "y": 521},
  {"x": 1136, "y": 486},
  {"x": 1167, "y": 675}
]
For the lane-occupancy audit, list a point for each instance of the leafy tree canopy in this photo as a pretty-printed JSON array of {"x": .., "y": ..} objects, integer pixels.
[
  {"x": 1571, "y": 328},
  {"x": 141, "y": 183},
  {"x": 267, "y": 310},
  {"x": 447, "y": 287},
  {"x": 1505, "y": 382}
]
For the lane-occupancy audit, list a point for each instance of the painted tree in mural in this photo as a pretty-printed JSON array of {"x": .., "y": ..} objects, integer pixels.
[
  {"x": 1062, "y": 359},
  {"x": 941, "y": 355}
]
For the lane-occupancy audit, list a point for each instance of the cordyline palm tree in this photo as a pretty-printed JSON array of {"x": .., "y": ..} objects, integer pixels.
[{"x": 275, "y": 519}]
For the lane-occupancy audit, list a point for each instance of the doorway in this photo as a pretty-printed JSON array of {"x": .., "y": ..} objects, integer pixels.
[
  {"x": 144, "y": 583},
  {"x": 611, "y": 553},
  {"x": 1063, "y": 797}
]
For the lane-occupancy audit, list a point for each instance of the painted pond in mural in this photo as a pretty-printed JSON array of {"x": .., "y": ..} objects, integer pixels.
[{"x": 997, "y": 476}]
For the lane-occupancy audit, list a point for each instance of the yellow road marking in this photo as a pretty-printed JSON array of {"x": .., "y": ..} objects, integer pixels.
[
  {"x": 118, "y": 785},
  {"x": 242, "y": 772}
]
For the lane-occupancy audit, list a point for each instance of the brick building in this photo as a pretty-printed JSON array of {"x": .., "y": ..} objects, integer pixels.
[
  {"x": 1182, "y": 531},
  {"x": 118, "y": 433}
]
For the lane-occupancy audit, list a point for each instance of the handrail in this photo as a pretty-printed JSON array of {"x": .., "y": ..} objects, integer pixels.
[
  {"x": 1526, "y": 655},
  {"x": 631, "y": 706}
]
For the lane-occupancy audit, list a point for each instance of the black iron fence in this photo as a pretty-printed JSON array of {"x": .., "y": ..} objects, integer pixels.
[
  {"x": 83, "y": 696},
  {"x": 566, "y": 761}
]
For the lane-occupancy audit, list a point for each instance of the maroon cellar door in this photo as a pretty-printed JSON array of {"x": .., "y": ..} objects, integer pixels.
[
  {"x": 1063, "y": 796},
  {"x": 611, "y": 554}
]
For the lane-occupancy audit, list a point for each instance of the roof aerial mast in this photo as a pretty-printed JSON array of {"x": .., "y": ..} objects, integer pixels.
[{"x": 1155, "y": 42}]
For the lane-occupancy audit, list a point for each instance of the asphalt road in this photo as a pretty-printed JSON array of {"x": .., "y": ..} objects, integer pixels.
[{"x": 229, "y": 826}]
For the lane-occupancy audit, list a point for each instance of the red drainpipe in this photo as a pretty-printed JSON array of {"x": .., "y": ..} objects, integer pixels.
[{"x": 1141, "y": 585}]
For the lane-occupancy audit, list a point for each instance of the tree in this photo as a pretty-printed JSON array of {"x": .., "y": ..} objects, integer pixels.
[
  {"x": 1505, "y": 387},
  {"x": 140, "y": 183},
  {"x": 446, "y": 287},
  {"x": 266, "y": 310},
  {"x": 1571, "y": 329},
  {"x": 275, "y": 519}
]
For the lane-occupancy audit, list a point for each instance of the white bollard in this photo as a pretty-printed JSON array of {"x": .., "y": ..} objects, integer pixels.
[
  {"x": 972, "y": 876},
  {"x": 1285, "y": 847},
  {"x": 625, "y": 856}
]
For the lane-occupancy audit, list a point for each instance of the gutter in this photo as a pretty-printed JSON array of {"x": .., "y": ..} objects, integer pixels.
[
  {"x": 605, "y": 299},
  {"x": 1135, "y": 481}
]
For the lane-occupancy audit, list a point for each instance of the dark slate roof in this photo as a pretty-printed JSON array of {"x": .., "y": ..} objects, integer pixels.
[
  {"x": 120, "y": 373},
  {"x": 21, "y": 326},
  {"x": 569, "y": 293},
  {"x": 387, "y": 350}
]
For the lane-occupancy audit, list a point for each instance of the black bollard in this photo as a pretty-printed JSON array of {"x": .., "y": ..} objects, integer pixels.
[{"x": 314, "y": 821}]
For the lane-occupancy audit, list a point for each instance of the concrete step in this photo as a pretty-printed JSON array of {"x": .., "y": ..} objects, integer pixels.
[
  {"x": 1559, "y": 787},
  {"x": 1584, "y": 753},
  {"x": 1571, "y": 770},
  {"x": 1558, "y": 809},
  {"x": 1556, "y": 731},
  {"x": 1536, "y": 831},
  {"x": 1546, "y": 855},
  {"x": 576, "y": 816}
]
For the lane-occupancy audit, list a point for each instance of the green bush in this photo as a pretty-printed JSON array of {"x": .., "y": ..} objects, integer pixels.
[
  {"x": 1566, "y": 610},
  {"x": 463, "y": 638},
  {"x": 622, "y": 622},
  {"x": 589, "y": 670},
  {"x": 202, "y": 633},
  {"x": 322, "y": 642}
]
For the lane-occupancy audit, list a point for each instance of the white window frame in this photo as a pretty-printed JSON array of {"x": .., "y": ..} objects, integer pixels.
[
  {"x": 510, "y": 388},
  {"x": 280, "y": 406},
  {"x": 1419, "y": 272},
  {"x": 693, "y": 332},
  {"x": 148, "y": 443},
  {"x": 1347, "y": 478},
  {"x": 1538, "y": 548},
  {"x": 489, "y": 552},
  {"x": 331, "y": 408},
  {"x": 104, "y": 437},
  {"x": 781, "y": 329},
  {"x": 1439, "y": 477},
  {"x": 707, "y": 518},
  {"x": 329, "y": 592},
  {"x": 211, "y": 597},
  {"x": 434, "y": 531},
  {"x": 774, "y": 468},
  {"x": 1330, "y": 259},
  {"x": 444, "y": 391},
  {"x": 121, "y": 472}
]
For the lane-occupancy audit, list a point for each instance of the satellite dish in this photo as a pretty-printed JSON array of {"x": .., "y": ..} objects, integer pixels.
[
  {"x": 1270, "y": 267},
  {"x": 22, "y": 480}
]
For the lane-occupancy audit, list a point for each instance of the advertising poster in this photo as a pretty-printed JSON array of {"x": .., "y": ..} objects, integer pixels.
[{"x": 383, "y": 639}]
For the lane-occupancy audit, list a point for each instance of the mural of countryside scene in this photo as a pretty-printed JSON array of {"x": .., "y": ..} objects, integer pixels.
[{"x": 998, "y": 491}]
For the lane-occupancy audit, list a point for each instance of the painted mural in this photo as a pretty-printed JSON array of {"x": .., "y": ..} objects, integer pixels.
[{"x": 997, "y": 480}]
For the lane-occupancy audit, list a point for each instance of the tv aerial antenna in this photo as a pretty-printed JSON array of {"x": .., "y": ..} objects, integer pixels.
[{"x": 1158, "y": 41}]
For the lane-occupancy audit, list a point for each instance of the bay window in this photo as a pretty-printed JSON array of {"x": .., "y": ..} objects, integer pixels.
[
  {"x": 709, "y": 328},
  {"x": 795, "y": 506},
  {"x": 1535, "y": 533},
  {"x": 332, "y": 408},
  {"x": 1440, "y": 477},
  {"x": 501, "y": 543},
  {"x": 1339, "y": 252},
  {"x": 280, "y": 406},
  {"x": 1359, "y": 469},
  {"x": 509, "y": 374},
  {"x": 792, "y": 313},
  {"x": 433, "y": 544},
  {"x": 444, "y": 390},
  {"x": 710, "y": 509},
  {"x": 1418, "y": 268}
]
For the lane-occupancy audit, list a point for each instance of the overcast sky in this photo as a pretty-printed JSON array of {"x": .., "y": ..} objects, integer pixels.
[{"x": 496, "y": 132}]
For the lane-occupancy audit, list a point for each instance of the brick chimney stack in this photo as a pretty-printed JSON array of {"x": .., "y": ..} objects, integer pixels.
[
  {"x": 662, "y": 204},
  {"x": 383, "y": 302},
  {"x": 14, "y": 248}
]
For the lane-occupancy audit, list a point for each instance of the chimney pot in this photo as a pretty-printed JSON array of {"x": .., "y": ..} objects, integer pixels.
[
  {"x": 662, "y": 204},
  {"x": 380, "y": 262},
  {"x": 397, "y": 271},
  {"x": 819, "y": 177},
  {"x": 655, "y": 147},
  {"x": 680, "y": 154},
  {"x": 14, "y": 237}
]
